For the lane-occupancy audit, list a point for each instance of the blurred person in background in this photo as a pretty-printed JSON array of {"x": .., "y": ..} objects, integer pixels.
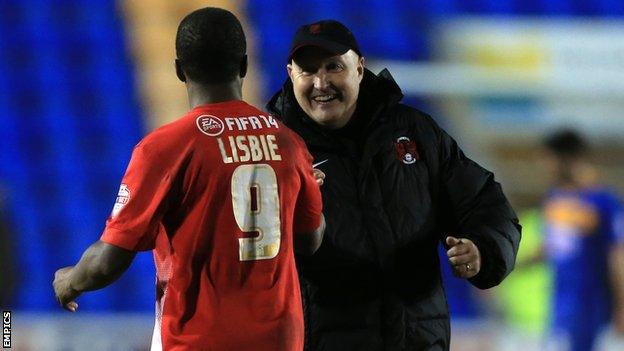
[
  {"x": 523, "y": 299},
  {"x": 584, "y": 243},
  {"x": 397, "y": 185},
  {"x": 223, "y": 196}
]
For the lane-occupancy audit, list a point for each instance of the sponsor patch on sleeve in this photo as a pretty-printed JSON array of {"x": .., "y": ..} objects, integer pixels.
[{"x": 123, "y": 197}]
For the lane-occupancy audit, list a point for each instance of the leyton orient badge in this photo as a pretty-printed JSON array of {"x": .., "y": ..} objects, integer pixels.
[{"x": 406, "y": 150}]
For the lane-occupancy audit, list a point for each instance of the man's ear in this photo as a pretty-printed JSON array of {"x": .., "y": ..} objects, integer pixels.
[
  {"x": 180, "y": 71},
  {"x": 360, "y": 67},
  {"x": 289, "y": 69},
  {"x": 243, "y": 66}
]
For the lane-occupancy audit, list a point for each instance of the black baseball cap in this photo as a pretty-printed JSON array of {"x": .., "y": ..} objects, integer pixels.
[{"x": 330, "y": 35}]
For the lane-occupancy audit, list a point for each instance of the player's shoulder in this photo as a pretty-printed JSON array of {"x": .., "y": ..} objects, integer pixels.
[
  {"x": 289, "y": 133},
  {"x": 291, "y": 140},
  {"x": 171, "y": 135}
]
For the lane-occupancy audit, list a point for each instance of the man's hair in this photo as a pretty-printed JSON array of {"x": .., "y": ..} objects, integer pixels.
[
  {"x": 566, "y": 143},
  {"x": 210, "y": 45}
]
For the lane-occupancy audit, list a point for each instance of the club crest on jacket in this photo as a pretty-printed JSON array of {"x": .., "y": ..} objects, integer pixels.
[{"x": 406, "y": 150}]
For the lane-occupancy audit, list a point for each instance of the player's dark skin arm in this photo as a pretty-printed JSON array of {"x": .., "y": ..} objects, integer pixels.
[
  {"x": 308, "y": 243},
  {"x": 100, "y": 265}
]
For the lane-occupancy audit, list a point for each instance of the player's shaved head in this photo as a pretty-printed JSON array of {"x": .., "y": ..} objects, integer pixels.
[{"x": 211, "y": 46}]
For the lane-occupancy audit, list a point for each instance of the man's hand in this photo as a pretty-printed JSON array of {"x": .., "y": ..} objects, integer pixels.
[
  {"x": 319, "y": 176},
  {"x": 65, "y": 294},
  {"x": 464, "y": 256}
]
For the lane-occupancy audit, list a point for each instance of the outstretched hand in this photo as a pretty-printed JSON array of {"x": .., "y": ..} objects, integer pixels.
[
  {"x": 65, "y": 295},
  {"x": 464, "y": 257}
]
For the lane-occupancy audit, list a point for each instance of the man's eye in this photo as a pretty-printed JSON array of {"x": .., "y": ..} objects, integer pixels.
[
  {"x": 307, "y": 71},
  {"x": 334, "y": 67}
]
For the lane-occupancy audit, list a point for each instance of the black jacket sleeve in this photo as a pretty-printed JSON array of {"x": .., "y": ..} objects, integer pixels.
[{"x": 478, "y": 210}]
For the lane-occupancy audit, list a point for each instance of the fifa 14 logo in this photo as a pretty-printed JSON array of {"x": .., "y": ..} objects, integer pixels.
[
  {"x": 214, "y": 126},
  {"x": 251, "y": 122}
]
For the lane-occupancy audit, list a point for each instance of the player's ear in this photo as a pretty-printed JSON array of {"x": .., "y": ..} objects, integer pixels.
[
  {"x": 180, "y": 71},
  {"x": 243, "y": 66}
]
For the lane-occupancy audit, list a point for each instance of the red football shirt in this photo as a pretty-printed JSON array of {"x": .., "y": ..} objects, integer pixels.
[{"x": 218, "y": 195}]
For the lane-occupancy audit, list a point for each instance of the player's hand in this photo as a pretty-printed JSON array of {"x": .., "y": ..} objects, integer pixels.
[
  {"x": 65, "y": 295},
  {"x": 319, "y": 176},
  {"x": 464, "y": 257}
]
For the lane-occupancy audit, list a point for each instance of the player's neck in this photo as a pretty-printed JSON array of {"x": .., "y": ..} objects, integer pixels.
[{"x": 203, "y": 94}]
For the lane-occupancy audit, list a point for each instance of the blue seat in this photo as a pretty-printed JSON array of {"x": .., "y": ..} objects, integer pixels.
[{"x": 70, "y": 118}]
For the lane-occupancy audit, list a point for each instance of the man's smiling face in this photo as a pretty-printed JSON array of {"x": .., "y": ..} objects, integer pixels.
[{"x": 326, "y": 85}]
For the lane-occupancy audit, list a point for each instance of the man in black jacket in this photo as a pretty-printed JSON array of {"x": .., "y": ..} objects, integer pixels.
[{"x": 396, "y": 186}]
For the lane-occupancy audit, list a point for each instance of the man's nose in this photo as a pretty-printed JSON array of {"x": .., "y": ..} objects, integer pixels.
[{"x": 321, "y": 81}]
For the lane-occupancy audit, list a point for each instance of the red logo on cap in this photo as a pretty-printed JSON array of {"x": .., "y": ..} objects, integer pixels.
[{"x": 315, "y": 28}]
